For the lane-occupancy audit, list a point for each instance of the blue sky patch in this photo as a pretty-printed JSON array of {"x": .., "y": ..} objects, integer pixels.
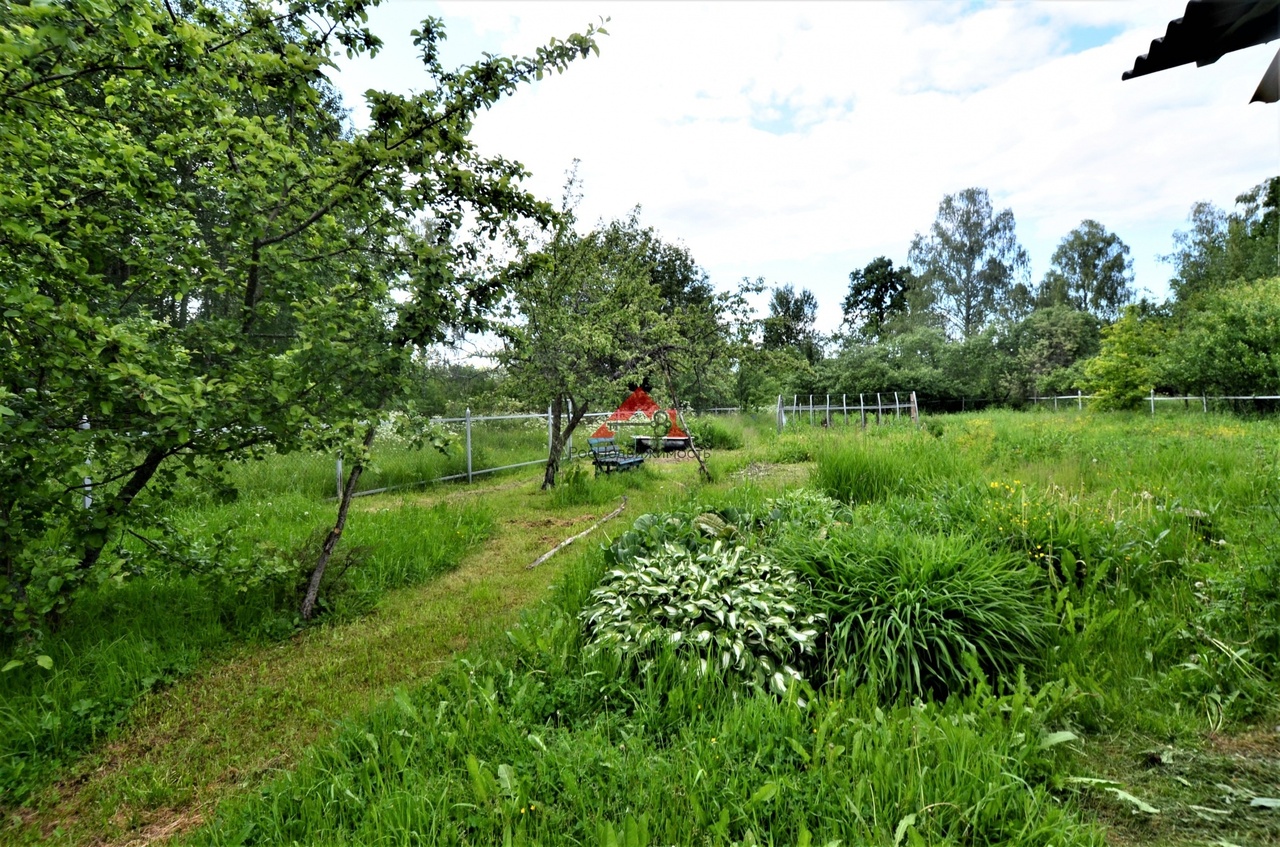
[
  {"x": 1082, "y": 38},
  {"x": 777, "y": 118}
]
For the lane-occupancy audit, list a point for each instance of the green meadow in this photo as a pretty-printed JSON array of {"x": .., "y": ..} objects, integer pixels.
[{"x": 996, "y": 628}]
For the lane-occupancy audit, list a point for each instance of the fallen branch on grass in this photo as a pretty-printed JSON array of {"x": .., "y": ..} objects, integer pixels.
[{"x": 571, "y": 539}]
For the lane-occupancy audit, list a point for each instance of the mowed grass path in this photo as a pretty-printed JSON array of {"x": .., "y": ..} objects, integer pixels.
[{"x": 233, "y": 723}]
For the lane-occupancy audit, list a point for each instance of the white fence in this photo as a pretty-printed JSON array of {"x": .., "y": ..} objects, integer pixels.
[{"x": 864, "y": 408}]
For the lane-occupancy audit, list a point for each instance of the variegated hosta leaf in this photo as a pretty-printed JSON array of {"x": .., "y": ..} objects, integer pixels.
[{"x": 728, "y": 604}]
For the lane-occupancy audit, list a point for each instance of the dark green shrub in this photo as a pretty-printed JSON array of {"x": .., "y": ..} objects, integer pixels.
[{"x": 904, "y": 610}]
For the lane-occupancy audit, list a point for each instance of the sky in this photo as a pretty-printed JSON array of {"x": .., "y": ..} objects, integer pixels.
[{"x": 799, "y": 141}]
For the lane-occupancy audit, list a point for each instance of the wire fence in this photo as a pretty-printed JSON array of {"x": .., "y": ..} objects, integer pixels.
[
  {"x": 844, "y": 409},
  {"x": 478, "y": 445},
  {"x": 1206, "y": 402},
  {"x": 481, "y": 445}
]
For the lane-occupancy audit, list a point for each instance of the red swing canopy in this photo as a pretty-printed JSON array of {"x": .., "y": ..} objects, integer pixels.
[{"x": 638, "y": 410}]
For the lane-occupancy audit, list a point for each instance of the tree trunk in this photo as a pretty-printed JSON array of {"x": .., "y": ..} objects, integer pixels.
[
  {"x": 120, "y": 503},
  {"x": 675, "y": 402},
  {"x": 560, "y": 438},
  {"x": 331, "y": 542}
]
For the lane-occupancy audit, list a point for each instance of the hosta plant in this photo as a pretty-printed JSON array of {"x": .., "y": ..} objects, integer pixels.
[
  {"x": 806, "y": 511},
  {"x": 722, "y": 604},
  {"x": 693, "y": 528}
]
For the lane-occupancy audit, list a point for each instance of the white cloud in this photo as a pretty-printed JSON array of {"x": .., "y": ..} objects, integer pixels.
[{"x": 799, "y": 141}]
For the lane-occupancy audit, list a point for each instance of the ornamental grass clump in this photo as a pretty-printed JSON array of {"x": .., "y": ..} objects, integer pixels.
[
  {"x": 857, "y": 473},
  {"x": 905, "y": 610},
  {"x": 722, "y": 605}
]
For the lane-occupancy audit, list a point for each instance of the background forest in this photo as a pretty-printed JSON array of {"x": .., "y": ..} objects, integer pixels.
[{"x": 960, "y": 322}]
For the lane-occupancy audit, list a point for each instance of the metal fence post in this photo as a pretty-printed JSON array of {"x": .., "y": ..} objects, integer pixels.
[
  {"x": 781, "y": 416},
  {"x": 844, "y": 404},
  {"x": 338, "y": 475},
  {"x": 468, "y": 444},
  {"x": 88, "y": 480},
  {"x": 1153, "y": 402},
  {"x": 879, "y": 405},
  {"x": 1079, "y": 399},
  {"x": 897, "y": 407},
  {"x": 551, "y": 433},
  {"x": 862, "y": 411},
  {"x": 810, "y": 410},
  {"x": 569, "y": 441},
  {"x": 1055, "y": 402},
  {"x": 915, "y": 409},
  {"x": 1204, "y": 401}
]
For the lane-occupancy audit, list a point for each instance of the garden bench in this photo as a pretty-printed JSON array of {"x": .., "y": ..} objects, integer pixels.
[{"x": 606, "y": 456}]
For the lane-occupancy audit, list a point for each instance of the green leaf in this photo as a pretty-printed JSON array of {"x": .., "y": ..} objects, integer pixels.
[
  {"x": 507, "y": 780},
  {"x": 45, "y": 662},
  {"x": 1265, "y": 802},
  {"x": 1138, "y": 804},
  {"x": 11, "y": 664},
  {"x": 1053, "y": 739},
  {"x": 764, "y": 793},
  {"x": 404, "y": 704},
  {"x": 908, "y": 821}
]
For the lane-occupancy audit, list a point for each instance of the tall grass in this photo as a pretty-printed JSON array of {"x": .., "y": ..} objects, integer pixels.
[
  {"x": 1124, "y": 566},
  {"x": 907, "y": 611},
  {"x": 122, "y": 640},
  {"x": 579, "y": 485},
  {"x": 867, "y": 469},
  {"x": 716, "y": 433},
  {"x": 540, "y": 742}
]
